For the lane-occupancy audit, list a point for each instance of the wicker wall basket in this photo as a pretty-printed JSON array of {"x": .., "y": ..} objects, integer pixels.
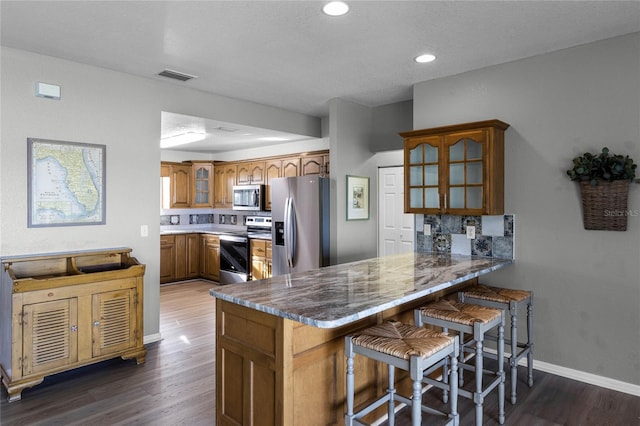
[{"x": 604, "y": 206}]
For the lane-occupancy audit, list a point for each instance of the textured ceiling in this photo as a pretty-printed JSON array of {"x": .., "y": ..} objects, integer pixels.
[{"x": 289, "y": 55}]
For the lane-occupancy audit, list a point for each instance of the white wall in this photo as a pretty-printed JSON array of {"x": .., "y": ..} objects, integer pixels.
[
  {"x": 122, "y": 112},
  {"x": 586, "y": 283}
]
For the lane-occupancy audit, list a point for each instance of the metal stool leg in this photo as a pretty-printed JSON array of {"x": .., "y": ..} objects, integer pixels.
[
  {"x": 513, "y": 360},
  {"x": 454, "y": 391},
  {"x": 391, "y": 391},
  {"x": 478, "y": 399},
  {"x": 348, "y": 418},
  {"x": 530, "y": 341},
  {"x": 416, "y": 400},
  {"x": 461, "y": 361},
  {"x": 501, "y": 415}
]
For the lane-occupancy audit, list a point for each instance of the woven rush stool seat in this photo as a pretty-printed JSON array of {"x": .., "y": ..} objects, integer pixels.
[
  {"x": 415, "y": 350},
  {"x": 475, "y": 320},
  {"x": 509, "y": 300}
]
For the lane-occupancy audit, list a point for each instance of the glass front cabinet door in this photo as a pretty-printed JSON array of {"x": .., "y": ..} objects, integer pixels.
[{"x": 455, "y": 169}]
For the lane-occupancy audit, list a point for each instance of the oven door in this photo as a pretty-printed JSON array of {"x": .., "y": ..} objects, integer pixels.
[{"x": 234, "y": 259}]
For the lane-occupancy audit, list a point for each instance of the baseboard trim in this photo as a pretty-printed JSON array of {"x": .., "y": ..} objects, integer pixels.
[
  {"x": 581, "y": 376},
  {"x": 151, "y": 338}
]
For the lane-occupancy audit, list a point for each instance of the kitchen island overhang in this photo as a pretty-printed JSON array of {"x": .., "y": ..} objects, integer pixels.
[
  {"x": 280, "y": 341},
  {"x": 336, "y": 295}
]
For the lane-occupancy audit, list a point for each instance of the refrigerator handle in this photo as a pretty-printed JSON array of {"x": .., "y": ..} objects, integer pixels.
[
  {"x": 286, "y": 230},
  {"x": 289, "y": 231}
]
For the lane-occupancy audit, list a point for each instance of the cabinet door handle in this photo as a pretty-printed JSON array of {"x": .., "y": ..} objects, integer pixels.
[{"x": 96, "y": 323}]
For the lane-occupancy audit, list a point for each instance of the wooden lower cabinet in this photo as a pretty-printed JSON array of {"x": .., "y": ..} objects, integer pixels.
[
  {"x": 275, "y": 371},
  {"x": 210, "y": 257},
  {"x": 260, "y": 259},
  {"x": 167, "y": 258},
  {"x": 62, "y": 311},
  {"x": 179, "y": 257},
  {"x": 192, "y": 254}
]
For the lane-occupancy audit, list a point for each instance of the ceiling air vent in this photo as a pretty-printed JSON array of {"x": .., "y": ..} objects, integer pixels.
[{"x": 176, "y": 75}]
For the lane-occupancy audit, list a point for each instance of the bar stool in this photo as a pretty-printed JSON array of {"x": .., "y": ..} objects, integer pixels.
[
  {"x": 511, "y": 301},
  {"x": 416, "y": 350},
  {"x": 475, "y": 320}
]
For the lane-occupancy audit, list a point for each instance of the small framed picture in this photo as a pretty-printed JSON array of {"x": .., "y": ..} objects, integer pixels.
[{"x": 357, "y": 198}]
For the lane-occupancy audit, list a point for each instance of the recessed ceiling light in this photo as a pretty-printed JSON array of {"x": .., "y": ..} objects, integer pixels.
[
  {"x": 423, "y": 59},
  {"x": 335, "y": 8}
]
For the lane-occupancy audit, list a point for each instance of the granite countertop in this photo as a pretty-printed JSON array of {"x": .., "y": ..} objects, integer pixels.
[
  {"x": 198, "y": 230},
  {"x": 260, "y": 236},
  {"x": 341, "y": 294}
]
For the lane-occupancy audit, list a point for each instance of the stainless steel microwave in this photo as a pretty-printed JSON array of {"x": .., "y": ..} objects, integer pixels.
[{"x": 248, "y": 197}]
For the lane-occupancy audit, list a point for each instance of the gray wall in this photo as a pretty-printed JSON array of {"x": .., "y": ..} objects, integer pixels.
[
  {"x": 122, "y": 112},
  {"x": 387, "y": 122},
  {"x": 350, "y": 137},
  {"x": 357, "y": 133},
  {"x": 586, "y": 283}
]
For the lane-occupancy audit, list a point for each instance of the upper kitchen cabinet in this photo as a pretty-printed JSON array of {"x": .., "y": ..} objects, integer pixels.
[
  {"x": 276, "y": 168},
  {"x": 187, "y": 185},
  {"x": 176, "y": 185},
  {"x": 455, "y": 169},
  {"x": 224, "y": 179},
  {"x": 202, "y": 196},
  {"x": 290, "y": 167},
  {"x": 315, "y": 165},
  {"x": 251, "y": 173}
]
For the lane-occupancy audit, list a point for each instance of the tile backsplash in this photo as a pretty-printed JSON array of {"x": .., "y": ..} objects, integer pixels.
[
  {"x": 494, "y": 234},
  {"x": 187, "y": 219}
]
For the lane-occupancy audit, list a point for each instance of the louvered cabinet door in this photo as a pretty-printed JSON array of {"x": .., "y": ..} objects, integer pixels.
[
  {"x": 114, "y": 321},
  {"x": 50, "y": 336}
]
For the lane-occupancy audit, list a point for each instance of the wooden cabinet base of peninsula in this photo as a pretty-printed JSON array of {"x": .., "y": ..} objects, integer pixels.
[
  {"x": 63, "y": 311},
  {"x": 275, "y": 371}
]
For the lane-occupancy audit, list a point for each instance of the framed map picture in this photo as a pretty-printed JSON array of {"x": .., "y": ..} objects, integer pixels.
[
  {"x": 357, "y": 198},
  {"x": 66, "y": 183}
]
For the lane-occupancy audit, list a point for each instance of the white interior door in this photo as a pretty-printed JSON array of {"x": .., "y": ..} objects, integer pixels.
[{"x": 395, "y": 228}]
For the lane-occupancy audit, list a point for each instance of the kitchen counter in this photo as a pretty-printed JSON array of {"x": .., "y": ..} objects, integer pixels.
[
  {"x": 340, "y": 294},
  {"x": 197, "y": 231},
  {"x": 259, "y": 236},
  {"x": 282, "y": 338}
]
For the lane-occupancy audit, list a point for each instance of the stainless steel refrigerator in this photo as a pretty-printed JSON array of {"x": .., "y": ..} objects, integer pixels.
[{"x": 300, "y": 217}]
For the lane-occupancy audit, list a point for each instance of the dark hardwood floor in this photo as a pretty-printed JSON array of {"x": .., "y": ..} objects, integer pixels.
[{"x": 176, "y": 385}]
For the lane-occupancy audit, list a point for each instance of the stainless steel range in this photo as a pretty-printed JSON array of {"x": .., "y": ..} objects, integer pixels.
[
  {"x": 234, "y": 249},
  {"x": 259, "y": 227}
]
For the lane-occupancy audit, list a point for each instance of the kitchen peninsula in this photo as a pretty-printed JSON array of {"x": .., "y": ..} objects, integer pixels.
[{"x": 279, "y": 341}]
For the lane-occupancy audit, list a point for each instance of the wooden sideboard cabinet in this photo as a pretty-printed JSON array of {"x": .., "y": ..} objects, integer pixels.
[{"x": 67, "y": 310}]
